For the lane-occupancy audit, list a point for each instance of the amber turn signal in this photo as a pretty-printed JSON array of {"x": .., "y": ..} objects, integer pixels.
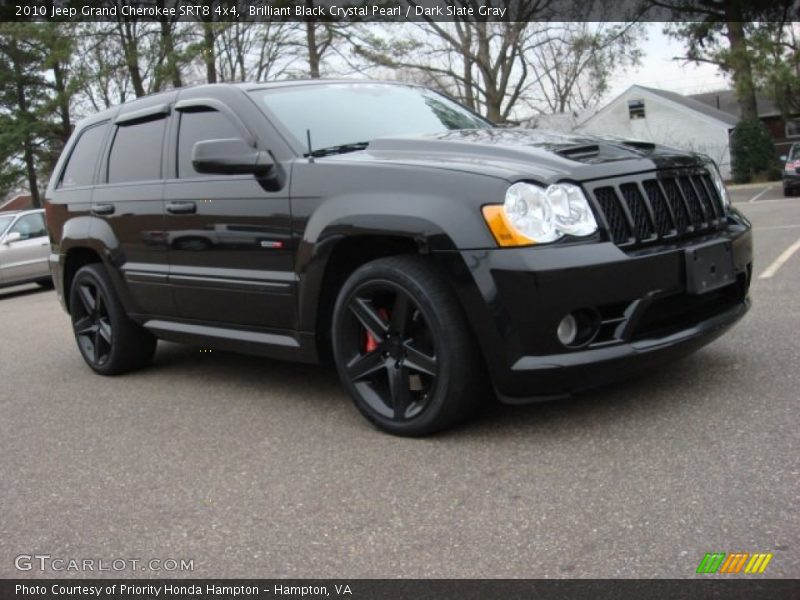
[{"x": 503, "y": 231}]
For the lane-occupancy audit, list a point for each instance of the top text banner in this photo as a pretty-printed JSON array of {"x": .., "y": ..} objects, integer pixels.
[{"x": 355, "y": 11}]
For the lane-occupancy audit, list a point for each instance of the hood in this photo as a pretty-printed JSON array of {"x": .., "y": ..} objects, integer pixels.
[{"x": 515, "y": 153}]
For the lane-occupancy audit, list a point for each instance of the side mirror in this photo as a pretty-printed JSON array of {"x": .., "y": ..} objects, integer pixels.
[
  {"x": 784, "y": 158},
  {"x": 14, "y": 236},
  {"x": 230, "y": 157}
]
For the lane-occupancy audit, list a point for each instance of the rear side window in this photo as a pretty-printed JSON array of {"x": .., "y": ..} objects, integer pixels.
[
  {"x": 197, "y": 126},
  {"x": 83, "y": 158},
  {"x": 136, "y": 151}
]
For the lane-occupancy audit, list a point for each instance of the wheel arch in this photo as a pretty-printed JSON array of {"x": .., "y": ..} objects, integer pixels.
[
  {"x": 86, "y": 240},
  {"x": 326, "y": 261}
]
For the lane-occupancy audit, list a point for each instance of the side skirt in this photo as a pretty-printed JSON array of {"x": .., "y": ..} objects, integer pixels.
[{"x": 300, "y": 347}]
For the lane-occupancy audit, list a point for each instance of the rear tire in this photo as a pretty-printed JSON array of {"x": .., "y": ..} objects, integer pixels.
[
  {"x": 404, "y": 350},
  {"x": 109, "y": 341}
]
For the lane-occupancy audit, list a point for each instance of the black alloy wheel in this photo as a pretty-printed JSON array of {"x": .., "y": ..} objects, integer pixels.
[
  {"x": 109, "y": 341},
  {"x": 403, "y": 348},
  {"x": 92, "y": 324},
  {"x": 393, "y": 359}
]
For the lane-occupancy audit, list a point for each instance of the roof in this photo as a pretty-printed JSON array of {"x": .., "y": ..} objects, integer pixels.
[
  {"x": 696, "y": 105},
  {"x": 16, "y": 203},
  {"x": 245, "y": 86},
  {"x": 722, "y": 118},
  {"x": 725, "y": 100}
]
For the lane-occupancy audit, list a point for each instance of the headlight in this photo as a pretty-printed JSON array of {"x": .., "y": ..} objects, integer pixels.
[
  {"x": 716, "y": 177},
  {"x": 535, "y": 215}
]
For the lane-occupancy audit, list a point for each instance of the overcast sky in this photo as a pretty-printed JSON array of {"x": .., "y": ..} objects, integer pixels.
[{"x": 658, "y": 70}]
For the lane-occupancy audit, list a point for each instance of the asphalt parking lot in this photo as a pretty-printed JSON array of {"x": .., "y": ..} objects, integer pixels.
[{"x": 251, "y": 467}]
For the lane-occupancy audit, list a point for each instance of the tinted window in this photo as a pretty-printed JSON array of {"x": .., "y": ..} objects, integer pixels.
[
  {"x": 30, "y": 226},
  {"x": 347, "y": 113},
  {"x": 136, "y": 152},
  {"x": 199, "y": 126},
  {"x": 794, "y": 153},
  {"x": 83, "y": 159}
]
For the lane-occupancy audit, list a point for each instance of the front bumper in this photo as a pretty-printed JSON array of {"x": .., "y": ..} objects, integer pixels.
[
  {"x": 791, "y": 181},
  {"x": 515, "y": 298}
]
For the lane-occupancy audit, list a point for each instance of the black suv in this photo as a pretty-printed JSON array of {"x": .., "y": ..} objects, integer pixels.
[{"x": 435, "y": 258}]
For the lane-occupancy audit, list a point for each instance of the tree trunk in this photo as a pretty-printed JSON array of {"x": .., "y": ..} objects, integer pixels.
[
  {"x": 63, "y": 101},
  {"x": 27, "y": 143},
  {"x": 209, "y": 54},
  {"x": 741, "y": 67},
  {"x": 494, "y": 97},
  {"x": 168, "y": 45},
  {"x": 313, "y": 51},
  {"x": 131, "y": 57}
]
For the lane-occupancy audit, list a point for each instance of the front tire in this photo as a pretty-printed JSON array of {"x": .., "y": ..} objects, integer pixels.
[
  {"x": 109, "y": 341},
  {"x": 404, "y": 350}
]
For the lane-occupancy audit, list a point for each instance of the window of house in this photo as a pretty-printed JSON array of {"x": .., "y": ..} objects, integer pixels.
[
  {"x": 636, "y": 109},
  {"x": 197, "y": 126},
  {"x": 793, "y": 128},
  {"x": 136, "y": 151},
  {"x": 83, "y": 159}
]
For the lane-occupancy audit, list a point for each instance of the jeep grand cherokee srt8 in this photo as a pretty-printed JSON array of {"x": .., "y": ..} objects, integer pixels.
[{"x": 436, "y": 258}]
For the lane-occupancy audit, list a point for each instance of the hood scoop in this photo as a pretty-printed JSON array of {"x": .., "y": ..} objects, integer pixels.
[{"x": 605, "y": 150}]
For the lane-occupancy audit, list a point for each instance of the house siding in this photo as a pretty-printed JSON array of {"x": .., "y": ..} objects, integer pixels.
[
  {"x": 777, "y": 130},
  {"x": 664, "y": 123}
]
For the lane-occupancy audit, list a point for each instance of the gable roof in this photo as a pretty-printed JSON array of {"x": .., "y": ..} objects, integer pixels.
[
  {"x": 709, "y": 112},
  {"x": 694, "y": 104},
  {"x": 18, "y": 202},
  {"x": 725, "y": 100}
]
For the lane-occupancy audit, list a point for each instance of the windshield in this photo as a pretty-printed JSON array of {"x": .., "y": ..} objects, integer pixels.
[
  {"x": 794, "y": 152},
  {"x": 345, "y": 114},
  {"x": 4, "y": 223}
]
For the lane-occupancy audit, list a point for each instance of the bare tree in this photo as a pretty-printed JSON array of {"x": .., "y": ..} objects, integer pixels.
[
  {"x": 255, "y": 51},
  {"x": 481, "y": 63},
  {"x": 496, "y": 67},
  {"x": 572, "y": 66}
]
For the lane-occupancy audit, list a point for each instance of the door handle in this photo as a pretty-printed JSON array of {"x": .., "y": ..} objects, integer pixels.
[
  {"x": 102, "y": 209},
  {"x": 181, "y": 208}
]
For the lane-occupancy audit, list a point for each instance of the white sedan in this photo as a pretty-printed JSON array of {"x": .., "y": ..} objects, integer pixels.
[{"x": 24, "y": 249}]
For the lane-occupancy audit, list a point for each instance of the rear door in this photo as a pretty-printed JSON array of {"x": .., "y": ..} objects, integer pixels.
[
  {"x": 26, "y": 257},
  {"x": 129, "y": 209},
  {"x": 229, "y": 236}
]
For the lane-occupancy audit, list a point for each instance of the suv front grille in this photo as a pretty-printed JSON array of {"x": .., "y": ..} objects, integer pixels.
[{"x": 664, "y": 205}]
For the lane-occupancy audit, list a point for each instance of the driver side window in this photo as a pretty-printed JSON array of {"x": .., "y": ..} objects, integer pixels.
[
  {"x": 29, "y": 226},
  {"x": 197, "y": 126}
]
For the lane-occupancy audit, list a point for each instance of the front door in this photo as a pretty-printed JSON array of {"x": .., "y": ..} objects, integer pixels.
[
  {"x": 228, "y": 237},
  {"x": 24, "y": 252}
]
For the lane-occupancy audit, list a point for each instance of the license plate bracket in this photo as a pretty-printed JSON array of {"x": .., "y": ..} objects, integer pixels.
[{"x": 709, "y": 267}]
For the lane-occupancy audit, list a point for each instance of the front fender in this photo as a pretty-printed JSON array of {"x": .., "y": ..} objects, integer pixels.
[{"x": 437, "y": 210}]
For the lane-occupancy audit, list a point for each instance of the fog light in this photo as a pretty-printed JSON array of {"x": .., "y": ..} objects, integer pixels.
[{"x": 567, "y": 330}]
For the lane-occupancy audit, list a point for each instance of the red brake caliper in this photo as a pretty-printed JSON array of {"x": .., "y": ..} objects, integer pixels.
[{"x": 370, "y": 343}]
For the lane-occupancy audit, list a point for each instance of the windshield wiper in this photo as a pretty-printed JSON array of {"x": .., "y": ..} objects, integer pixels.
[{"x": 341, "y": 149}]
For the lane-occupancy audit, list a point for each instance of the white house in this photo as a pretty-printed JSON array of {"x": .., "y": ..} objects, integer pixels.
[{"x": 666, "y": 118}]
